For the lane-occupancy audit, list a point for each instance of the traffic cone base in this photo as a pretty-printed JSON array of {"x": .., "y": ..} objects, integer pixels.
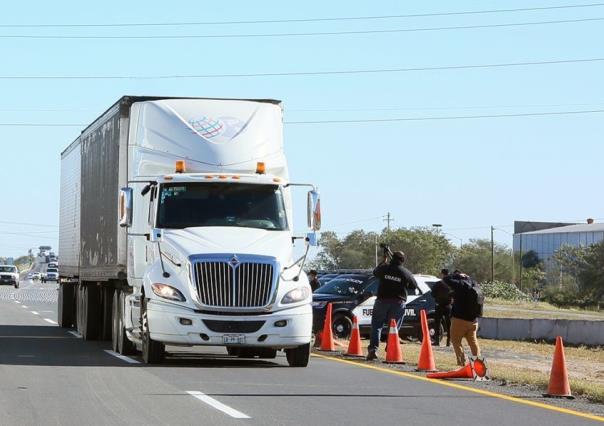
[
  {"x": 558, "y": 383},
  {"x": 465, "y": 372},
  {"x": 481, "y": 370},
  {"x": 394, "y": 353},
  {"x": 426, "y": 356}
]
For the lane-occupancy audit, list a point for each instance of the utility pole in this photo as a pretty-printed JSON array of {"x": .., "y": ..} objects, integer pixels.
[
  {"x": 492, "y": 255},
  {"x": 388, "y": 219},
  {"x": 376, "y": 250}
]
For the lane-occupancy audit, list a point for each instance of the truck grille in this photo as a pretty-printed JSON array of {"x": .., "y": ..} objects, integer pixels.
[
  {"x": 241, "y": 285},
  {"x": 220, "y": 326}
]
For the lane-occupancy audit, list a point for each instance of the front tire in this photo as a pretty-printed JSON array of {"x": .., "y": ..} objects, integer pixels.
[
  {"x": 298, "y": 357},
  {"x": 153, "y": 352}
]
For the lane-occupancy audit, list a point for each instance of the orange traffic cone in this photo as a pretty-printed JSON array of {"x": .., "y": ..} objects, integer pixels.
[
  {"x": 461, "y": 373},
  {"x": 327, "y": 343},
  {"x": 558, "y": 381},
  {"x": 426, "y": 357},
  {"x": 394, "y": 353},
  {"x": 354, "y": 347}
]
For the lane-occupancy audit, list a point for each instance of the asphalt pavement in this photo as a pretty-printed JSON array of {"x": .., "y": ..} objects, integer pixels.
[{"x": 50, "y": 376}]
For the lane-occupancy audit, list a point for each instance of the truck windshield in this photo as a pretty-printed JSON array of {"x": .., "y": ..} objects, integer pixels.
[
  {"x": 184, "y": 205},
  {"x": 8, "y": 269}
]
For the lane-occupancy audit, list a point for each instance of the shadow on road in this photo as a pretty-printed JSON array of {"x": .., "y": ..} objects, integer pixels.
[{"x": 55, "y": 346}]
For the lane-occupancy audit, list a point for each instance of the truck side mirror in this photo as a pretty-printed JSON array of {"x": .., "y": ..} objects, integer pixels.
[
  {"x": 125, "y": 206},
  {"x": 314, "y": 210},
  {"x": 311, "y": 239},
  {"x": 156, "y": 235}
]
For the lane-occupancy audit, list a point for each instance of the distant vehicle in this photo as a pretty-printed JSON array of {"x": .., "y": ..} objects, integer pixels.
[
  {"x": 53, "y": 264},
  {"x": 52, "y": 274},
  {"x": 354, "y": 294},
  {"x": 9, "y": 274},
  {"x": 30, "y": 275},
  {"x": 36, "y": 276}
]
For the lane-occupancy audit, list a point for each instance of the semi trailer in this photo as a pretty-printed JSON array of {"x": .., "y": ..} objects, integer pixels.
[{"x": 176, "y": 228}]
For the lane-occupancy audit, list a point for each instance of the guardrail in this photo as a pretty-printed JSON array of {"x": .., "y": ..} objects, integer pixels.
[{"x": 577, "y": 332}]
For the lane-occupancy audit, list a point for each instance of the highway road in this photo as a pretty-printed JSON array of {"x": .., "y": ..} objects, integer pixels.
[{"x": 49, "y": 376}]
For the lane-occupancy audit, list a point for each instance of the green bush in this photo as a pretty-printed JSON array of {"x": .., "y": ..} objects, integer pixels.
[
  {"x": 503, "y": 290},
  {"x": 567, "y": 296}
]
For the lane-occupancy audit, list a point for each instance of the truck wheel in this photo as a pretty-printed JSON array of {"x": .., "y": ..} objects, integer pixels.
[
  {"x": 119, "y": 340},
  {"x": 66, "y": 306},
  {"x": 153, "y": 352},
  {"x": 341, "y": 326},
  {"x": 89, "y": 312},
  {"x": 298, "y": 357}
]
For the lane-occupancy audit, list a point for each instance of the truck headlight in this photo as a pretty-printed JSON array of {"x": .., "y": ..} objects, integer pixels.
[
  {"x": 296, "y": 295},
  {"x": 167, "y": 292}
]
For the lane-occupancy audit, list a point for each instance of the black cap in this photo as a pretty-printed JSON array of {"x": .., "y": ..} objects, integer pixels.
[
  {"x": 399, "y": 255},
  {"x": 312, "y": 272}
]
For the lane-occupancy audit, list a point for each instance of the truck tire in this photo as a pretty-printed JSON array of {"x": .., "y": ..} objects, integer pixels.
[
  {"x": 153, "y": 352},
  {"x": 298, "y": 357},
  {"x": 89, "y": 315},
  {"x": 66, "y": 305},
  {"x": 119, "y": 340}
]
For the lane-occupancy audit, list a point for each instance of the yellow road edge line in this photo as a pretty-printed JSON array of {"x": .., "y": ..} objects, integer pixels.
[{"x": 465, "y": 388}]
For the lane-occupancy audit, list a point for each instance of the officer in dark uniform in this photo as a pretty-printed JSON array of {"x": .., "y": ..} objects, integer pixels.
[
  {"x": 443, "y": 296},
  {"x": 395, "y": 280},
  {"x": 313, "y": 280}
]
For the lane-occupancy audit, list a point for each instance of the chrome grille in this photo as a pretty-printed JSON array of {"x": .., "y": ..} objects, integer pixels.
[{"x": 244, "y": 285}]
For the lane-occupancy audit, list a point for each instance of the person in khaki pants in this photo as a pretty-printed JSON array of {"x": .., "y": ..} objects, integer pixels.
[{"x": 467, "y": 307}]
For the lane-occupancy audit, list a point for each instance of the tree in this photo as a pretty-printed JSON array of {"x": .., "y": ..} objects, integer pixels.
[
  {"x": 474, "y": 259},
  {"x": 427, "y": 250},
  {"x": 530, "y": 259}
]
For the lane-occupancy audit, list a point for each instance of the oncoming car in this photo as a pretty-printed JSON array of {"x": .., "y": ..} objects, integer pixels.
[
  {"x": 9, "y": 274},
  {"x": 354, "y": 294}
]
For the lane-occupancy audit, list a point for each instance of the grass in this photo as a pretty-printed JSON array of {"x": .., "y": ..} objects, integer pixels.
[
  {"x": 499, "y": 308},
  {"x": 524, "y": 363}
]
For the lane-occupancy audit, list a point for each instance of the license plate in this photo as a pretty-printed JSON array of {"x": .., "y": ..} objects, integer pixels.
[{"x": 233, "y": 339}]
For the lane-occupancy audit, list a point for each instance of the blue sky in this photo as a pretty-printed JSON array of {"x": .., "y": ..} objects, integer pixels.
[{"x": 464, "y": 174}]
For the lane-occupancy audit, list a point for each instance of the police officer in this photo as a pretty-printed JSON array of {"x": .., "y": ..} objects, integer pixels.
[
  {"x": 467, "y": 307},
  {"x": 395, "y": 280},
  {"x": 313, "y": 280},
  {"x": 443, "y": 296}
]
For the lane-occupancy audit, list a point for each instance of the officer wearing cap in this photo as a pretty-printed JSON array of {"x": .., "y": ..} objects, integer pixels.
[{"x": 395, "y": 280}]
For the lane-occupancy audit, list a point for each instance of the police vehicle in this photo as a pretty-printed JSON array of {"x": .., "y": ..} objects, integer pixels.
[{"x": 354, "y": 294}]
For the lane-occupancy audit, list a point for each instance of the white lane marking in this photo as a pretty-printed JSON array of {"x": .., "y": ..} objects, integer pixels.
[
  {"x": 51, "y": 321},
  {"x": 122, "y": 357},
  {"x": 25, "y": 307},
  {"x": 16, "y": 301},
  {"x": 75, "y": 333},
  {"x": 34, "y": 312},
  {"x": 218, "y": 405}
]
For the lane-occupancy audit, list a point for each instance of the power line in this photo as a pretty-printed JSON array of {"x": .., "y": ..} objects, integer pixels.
[
  {"x": 373, "y": 120},
  {"x": 27, "y": 224},
  {"x": 307, "y": 34},
  {"x": 458, "y": 117},
  {"x": 304, "y": 73},
  {"x": 294, "y": 20}
]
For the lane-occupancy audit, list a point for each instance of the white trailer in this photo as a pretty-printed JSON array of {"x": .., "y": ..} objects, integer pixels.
[{"x": 176, "y": 229}]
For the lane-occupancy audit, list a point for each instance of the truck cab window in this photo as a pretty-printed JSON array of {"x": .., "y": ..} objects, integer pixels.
[{"x": 184, "y": 205}]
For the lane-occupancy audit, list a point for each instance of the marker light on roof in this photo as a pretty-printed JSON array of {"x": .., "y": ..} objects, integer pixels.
[
  {"x": 180, "y": 166},
  {"x": 260, "y": 168}
]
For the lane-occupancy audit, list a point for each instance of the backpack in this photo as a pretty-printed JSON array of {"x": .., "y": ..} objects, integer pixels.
[
  {"x": 473, "y": 296},
  {"x": 441, "y": 293}
]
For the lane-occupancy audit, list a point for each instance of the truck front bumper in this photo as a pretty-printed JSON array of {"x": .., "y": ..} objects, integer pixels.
[{"x": 288, "y": 328}]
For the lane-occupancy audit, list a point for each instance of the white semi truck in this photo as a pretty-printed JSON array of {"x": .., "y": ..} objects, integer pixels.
[{"x": 176, "y": 223}]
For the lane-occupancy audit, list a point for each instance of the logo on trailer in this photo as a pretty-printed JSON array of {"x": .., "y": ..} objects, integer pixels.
[{"x": 207, "y": 127}]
